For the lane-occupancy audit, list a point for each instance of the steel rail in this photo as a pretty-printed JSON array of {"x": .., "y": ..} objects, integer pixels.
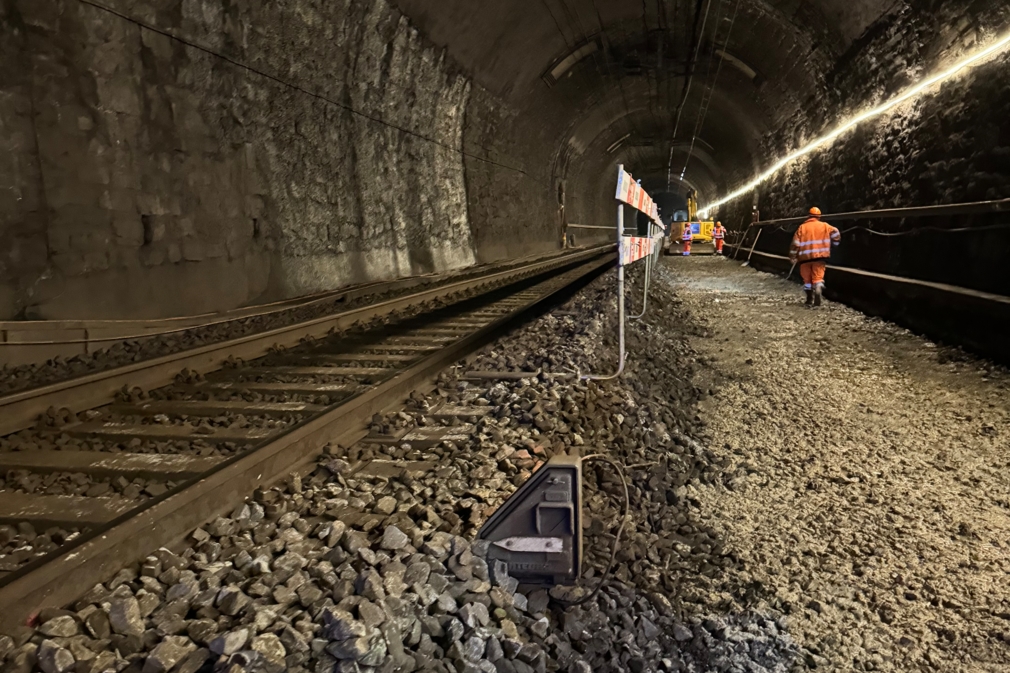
[
  {"x": 973, "y": 208},
  {"x": 20, "y": 410},
  {"x": 187, "y": 323},
  {"x": 61, "y": 578}
]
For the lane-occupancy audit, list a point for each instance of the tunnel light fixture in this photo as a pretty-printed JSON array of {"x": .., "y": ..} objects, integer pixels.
[
  {"x": 566, "y": 63},
  {"x": 748, "y": 71},
  {"x": 997, "y": 47},
  {"x": 617, "y": 143}
]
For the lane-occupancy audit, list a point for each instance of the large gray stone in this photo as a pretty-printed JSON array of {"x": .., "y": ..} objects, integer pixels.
[
  {"x": 229, "y": 643},
  {"x": 124, "y": 616},
  {"x": 54, "y": 659},
  {"x": 63, "y": 626},
  {"x": 168, "y": 653}
]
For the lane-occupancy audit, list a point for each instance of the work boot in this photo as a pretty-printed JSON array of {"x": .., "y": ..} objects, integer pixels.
[
  {"x": 817, "y": 297},
  {"x": 810, "y": 297}
]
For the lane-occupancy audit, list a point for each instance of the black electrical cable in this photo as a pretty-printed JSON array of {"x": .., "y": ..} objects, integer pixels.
[
  {"x": 297, "y": 87},
  {"x": 707, "y": 101},
  {"x": 917, "y": 230},
  {"x": 696, "y": 44},
  {"x": 606, "y": 61},
  {"x": 617, "y": 537},
  {"x": 942, "y": 230}
]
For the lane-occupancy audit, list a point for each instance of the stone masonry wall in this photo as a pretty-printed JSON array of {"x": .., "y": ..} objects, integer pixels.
[
  {"x": 22, "y": 209},
  {"x": 950, "y": 146},
  {"x": 514, "y": 208},
  {"x": 263, "y": 150}
]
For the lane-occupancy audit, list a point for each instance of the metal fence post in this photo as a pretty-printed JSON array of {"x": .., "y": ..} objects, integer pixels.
[{"x": 620, "y": 299}]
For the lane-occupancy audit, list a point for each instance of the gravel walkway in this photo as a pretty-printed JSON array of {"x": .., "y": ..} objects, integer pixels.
[
  {"x": 865, "y": 488},
  {"x": 808, "y": 490}
]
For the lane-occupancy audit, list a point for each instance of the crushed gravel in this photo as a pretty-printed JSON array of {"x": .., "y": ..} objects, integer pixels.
[
  {"x": 340, "y": 571},
  {"x": 864, "y": 486}
]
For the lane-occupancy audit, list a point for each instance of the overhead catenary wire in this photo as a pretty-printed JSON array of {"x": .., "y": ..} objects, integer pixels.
[
  {"x": 606, "y": 60},
  {"x": 297, "y": 87},
  {"x": 707, "y": 101},
  {"x": 687, "y": 88},
  {"x": 909, "y": 232}
]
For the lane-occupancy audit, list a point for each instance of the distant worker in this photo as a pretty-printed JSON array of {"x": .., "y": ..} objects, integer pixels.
[
  {"x": 685, "y": 239},
  {"x": 811, "y": 249},
  {"x": 718, "y": 235}
]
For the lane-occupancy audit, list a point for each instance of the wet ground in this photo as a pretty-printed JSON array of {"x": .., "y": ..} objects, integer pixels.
[{"x": 865, "y": 489}]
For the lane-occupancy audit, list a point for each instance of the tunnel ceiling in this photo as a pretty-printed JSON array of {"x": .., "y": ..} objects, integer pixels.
[{"x": 614, "y": 73}]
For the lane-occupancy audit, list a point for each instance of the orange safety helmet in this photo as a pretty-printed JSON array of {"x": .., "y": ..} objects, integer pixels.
[{"x": 815, "y": 211}]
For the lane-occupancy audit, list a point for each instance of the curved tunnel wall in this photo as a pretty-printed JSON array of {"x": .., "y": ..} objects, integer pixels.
[
  {"x": 312, "y": 144},
  {"x": 951, "y": 146},
  {"x": 297, "y": 147}
]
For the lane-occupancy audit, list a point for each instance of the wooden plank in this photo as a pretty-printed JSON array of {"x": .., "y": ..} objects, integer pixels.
[
  {"x": 394, "y": 468},
  {"x": 435, "y": 341},
  {"x": 295, "y": 388},
  {"x": 427, "y": 437},
  {"x": 461, "y": 324},
  {"x": 448, "y": 331},
  {"x": 214, "y": 408},
  {"x": 114, "y": 430},
  {"x": 389, "y": 438},
  {"x": 108, "y": 464},
  {"x": 361, "y": 357},
  {"x": 291, "y": 370},
  {"x": 60, "y": 510},
  {"x": 500, "y": 376},
  {"x": 459, "y": 411},
  {"x": 410, "y": 348}
]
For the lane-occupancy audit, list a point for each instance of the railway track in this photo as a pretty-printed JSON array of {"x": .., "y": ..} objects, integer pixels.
[{"x": 104, "y": 469}]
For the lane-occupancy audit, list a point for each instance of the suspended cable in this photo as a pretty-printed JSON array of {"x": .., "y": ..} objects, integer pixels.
[
  {"x": 687, "y": 89},
  {"x": 706, "y": 102},
  {"x": 557, "y": 24},
  {"x": 606, "y": 59}
]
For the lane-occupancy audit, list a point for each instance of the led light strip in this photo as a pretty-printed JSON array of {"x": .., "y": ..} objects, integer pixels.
[{"x": 1001, "y": 45}]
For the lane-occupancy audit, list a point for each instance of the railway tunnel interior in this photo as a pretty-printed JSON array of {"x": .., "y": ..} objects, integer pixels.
[
  {"x": 806, "y": 489},
  {"x": 174, "y": 158}
]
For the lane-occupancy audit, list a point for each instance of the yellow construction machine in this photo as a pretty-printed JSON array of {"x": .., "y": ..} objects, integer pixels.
[{"x": 701, "y": 231}]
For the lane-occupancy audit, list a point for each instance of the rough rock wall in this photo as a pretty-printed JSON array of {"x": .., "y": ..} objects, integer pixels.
[
  {"x": 514, "y": 209},
  {"x": 266, "y": 149},
  {"x": 22, "y": 210},
  {"x": 950, "y": 146}
]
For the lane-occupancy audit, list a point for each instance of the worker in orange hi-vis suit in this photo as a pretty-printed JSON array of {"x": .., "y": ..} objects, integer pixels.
[
  {"x": 686, "y": 237},
  {"x": 811, "y": 249},
  {"x": 718, "y": 235}
]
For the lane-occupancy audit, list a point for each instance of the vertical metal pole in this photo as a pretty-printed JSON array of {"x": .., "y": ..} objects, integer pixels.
[
  {"x": 743, "y": 241},
  {"x": 620, "y": 301},
  {"x": 648, "y": 273},
  {"x": 756, "y": 238}
]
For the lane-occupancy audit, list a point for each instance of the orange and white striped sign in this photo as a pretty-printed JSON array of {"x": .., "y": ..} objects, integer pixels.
[
  {"x": 631, "y": 193},
  {"x": 634, "y": 248}
]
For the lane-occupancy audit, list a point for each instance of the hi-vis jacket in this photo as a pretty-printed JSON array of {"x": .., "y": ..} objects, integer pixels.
[
  {"x": 813, "y": 241},
  {"x": 687, "y": 235},
  {"x": 719, "y": 232}
]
